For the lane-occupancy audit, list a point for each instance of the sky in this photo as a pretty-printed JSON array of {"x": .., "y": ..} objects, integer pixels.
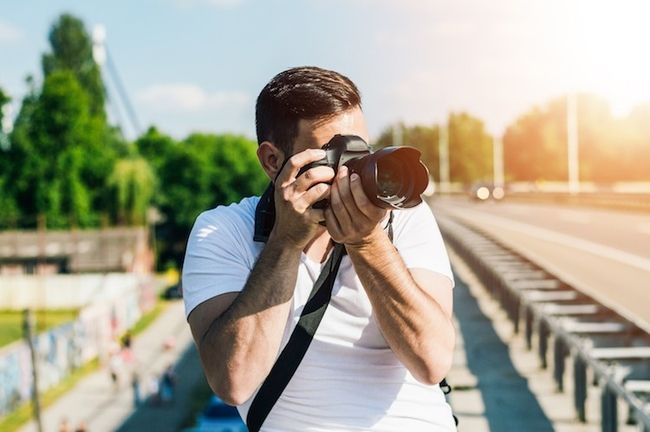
[{"x": 198, "y": 65}]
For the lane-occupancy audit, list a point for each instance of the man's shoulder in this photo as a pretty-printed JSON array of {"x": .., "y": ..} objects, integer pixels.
[
  {"x": 238, "y": 217},
  {"x": 412, "y": 217}
]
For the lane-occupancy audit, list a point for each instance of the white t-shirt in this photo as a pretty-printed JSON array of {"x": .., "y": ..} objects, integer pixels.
[{"x": 349, "y": 379}]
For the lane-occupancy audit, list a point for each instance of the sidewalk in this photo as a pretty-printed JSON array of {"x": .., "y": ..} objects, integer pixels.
[{"x": 95, "y": 402}]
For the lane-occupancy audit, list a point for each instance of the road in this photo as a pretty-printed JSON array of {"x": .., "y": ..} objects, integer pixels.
[{"x": 604, "y": 253}]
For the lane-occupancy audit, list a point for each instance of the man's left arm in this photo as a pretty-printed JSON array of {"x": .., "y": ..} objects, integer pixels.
[{"x": 412, "y": 306}]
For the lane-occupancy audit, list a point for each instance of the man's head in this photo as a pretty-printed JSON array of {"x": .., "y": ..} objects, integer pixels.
[{"x": 303, "y": 108}]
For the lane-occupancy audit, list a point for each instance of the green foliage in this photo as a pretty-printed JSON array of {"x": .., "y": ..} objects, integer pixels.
[
  {"x": 470, "y": 147},
  {"x": 72, "y": 50},
  {"x": 62, "y": 151},
  {"x": 154, "y": 146},
  {"x": 610, "y": 148},
  {"x": 8, "y": 207},
  {"x": 47, "y": 153},
  {"x": 4, "y": 99},
  {"x": 424, "y": 138},
  {"x": 133, "y": 182},
  {"x": 194, "y": 175}
]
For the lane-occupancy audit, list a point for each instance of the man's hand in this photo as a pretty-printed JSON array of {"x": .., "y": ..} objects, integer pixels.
[
  {"x": 296, "y": 220},
  {"x": 351, "y": 218}
]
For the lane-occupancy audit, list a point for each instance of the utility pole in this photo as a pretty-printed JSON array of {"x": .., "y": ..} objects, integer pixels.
[
  {"x": 497, "y": 163},
  {"x": 102, "y": 57},
  {"x": 28, "y": 327},
  {"x": 443, "y": 153},
  {"x": 572, "y": 142}
]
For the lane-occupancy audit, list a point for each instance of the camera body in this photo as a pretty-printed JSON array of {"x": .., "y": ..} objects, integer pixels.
[{"x": 392, "y": 177}]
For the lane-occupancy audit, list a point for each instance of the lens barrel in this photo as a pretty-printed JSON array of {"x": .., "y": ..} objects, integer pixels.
[{"x": 392, "y": 177}]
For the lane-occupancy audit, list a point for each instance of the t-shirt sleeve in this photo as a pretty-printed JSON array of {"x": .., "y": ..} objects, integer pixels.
[
  {"x": 215, "y": 261},
  {"x": 419, "y": 242}
]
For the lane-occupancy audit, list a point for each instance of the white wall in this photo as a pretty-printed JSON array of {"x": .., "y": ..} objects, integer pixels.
[{"x": 63, "y": 291}]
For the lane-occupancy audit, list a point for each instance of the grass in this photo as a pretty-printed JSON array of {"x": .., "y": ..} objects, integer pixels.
[
  {"x": 11, "y": 322},
  {"x": 149, "y": 317},
  {"x": 24, "y": 413}
]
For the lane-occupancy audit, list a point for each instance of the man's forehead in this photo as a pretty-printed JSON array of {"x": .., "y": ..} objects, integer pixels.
[{"x": 319, "y": 132}]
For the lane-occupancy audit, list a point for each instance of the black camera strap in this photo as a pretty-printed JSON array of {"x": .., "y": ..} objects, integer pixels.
[{"x": 294, "y": 351}]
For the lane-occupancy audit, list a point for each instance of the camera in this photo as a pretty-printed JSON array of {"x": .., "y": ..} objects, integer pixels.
[{"x": 392, "y": 177}]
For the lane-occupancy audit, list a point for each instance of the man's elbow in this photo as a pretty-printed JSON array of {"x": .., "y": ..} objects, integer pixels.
[
  {"x": 436, "y": 362},
  {"x": 433, "y": 372},
  {"x": 231, "y": 389}
]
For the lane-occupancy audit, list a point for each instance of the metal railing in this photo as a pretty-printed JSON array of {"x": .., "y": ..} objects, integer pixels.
[{"x": 595, "y": 337}]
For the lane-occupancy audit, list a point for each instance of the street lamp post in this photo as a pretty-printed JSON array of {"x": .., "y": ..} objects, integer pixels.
[
  {"x": 497, "y": 162},
  {"x": 443, "y": 152},
  {"x": 572, "y": 142}
]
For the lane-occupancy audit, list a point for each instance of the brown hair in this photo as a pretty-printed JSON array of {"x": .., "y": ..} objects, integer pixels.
[{"x": 307, "y": 93}]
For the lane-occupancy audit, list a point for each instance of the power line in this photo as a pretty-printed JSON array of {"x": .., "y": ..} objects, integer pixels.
[{"x": 133, "y": 118}]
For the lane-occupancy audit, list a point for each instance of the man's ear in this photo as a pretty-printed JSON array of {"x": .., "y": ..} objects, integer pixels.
[{"x": 271, "y": 158}]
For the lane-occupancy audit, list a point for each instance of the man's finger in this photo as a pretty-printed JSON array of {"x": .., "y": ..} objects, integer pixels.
[
  {"x": 332, "y": 224},
  {"x": 319, "y": 174},
  {"x": 343, "y": 184},
  {"x": 314, "y": 194},
  {"x": 360, "y": 199},
  {"x": 297, "y": 161},
  {"x": 338, "y": 208}
]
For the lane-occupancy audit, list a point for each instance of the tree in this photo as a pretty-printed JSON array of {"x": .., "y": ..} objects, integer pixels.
[
  {"x": 155, "y": 147},
  {"x": 8, "y": 208},
  {"x": 4, "y": 99},
  {"x": 133, "y": 183},
  {"x": 48, "y": 150},
  {"x": 470, "y": 147},
  {"x": 197, "y": 174},
  {"x": 72, "y": 49},
  {"x": 22, "y": 159},
  {"x": 424, "y": 138},
  {"x": 610, "y": 149}
]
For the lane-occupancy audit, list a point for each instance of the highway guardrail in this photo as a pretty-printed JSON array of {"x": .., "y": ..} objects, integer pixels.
[{"x": 595, "y": 338}]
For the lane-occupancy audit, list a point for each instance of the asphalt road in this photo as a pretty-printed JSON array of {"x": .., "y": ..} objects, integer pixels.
[{"x": 606, "y": 254}]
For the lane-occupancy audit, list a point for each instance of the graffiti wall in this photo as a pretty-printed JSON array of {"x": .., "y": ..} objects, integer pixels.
[{"x": 69, "y": 346}]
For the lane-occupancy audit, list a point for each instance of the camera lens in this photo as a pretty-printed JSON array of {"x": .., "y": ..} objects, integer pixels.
[
  {"x": 393, "y": 177},
  {"x": 390, "y": 177}
]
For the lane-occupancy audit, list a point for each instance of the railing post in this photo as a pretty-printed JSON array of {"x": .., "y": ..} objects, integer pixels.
[
  {"x": 580, "y": 387},
  {"x": 528, "y": 314},
  {"x": 608, "y": 409},
  {"x": 516, "y": 310},
  {"x": 543, "y": 342},
  {"x": 559, "y": 353}
]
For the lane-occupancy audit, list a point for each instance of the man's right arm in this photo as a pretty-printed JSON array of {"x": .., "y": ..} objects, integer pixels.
[
  {"x": 238, "y": 335},
  {"x": 239, "y": 347}
]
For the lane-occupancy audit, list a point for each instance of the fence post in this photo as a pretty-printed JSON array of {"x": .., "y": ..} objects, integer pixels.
[
  {"x": 608, "y": 409},
  {"x": 559, "y": 354},
  {"x": 580, "y": 387},
  {"x": 28, "y": 328}
]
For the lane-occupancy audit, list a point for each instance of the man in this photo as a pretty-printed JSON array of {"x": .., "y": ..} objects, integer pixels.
[{"x": 386, "y": 339}]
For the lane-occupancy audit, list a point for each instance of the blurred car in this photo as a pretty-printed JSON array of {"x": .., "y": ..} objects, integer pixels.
[
  {"x": 173, "y": 292},
  {"x": 218, "y": 417},
  {"x": 482, "y": 191}
]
